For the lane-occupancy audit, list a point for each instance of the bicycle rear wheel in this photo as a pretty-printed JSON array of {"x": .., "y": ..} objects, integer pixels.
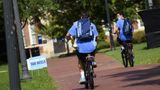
[
  {"x": 131, "y": 62},
  {"x": 89, "y": 77}
]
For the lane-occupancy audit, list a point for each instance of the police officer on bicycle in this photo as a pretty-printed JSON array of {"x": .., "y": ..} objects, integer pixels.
[
  {"x": 85, "y": 34},
  {"x": 124, "y": 30}
]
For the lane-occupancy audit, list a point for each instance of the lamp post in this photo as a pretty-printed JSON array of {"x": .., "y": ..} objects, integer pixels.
[
  {"x": 109, "y": 25},
  {"x": 11, "y": 43}
]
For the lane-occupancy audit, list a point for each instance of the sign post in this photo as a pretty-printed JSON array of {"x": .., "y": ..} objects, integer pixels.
[{"x": 25, "y": 73}]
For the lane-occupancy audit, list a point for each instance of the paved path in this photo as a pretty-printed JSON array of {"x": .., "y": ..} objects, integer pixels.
[{"x": 110, "y": 75}]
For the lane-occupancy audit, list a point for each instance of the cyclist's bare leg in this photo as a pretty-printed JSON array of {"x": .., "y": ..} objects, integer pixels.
[
  {"x": 81, "y": 63},
  {"x": 81, "y": 66},
  {"x": 94, "y": 62}
]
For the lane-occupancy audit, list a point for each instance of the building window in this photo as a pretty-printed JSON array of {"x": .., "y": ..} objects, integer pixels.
[{"x": 33, "y": 35}]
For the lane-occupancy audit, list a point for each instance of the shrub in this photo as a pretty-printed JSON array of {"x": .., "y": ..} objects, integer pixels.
[
  {"x": 116, "y": 42},
  {"x": 102, "y": 44},
  {"x": 139, "y": 37},
  {"x": 101, "y": 36}
]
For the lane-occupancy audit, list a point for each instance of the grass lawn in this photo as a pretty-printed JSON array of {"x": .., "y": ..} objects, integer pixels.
[
  {"x": 40, "y": 80},
  {"x": 142, "y": 54}
]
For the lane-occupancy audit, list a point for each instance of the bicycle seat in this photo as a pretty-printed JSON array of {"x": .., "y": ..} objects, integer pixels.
[
  {"x": 130, "y": 45},
  {"x": 90, "y": 58}
]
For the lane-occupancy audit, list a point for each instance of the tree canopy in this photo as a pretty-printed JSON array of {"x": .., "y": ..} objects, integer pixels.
[
  {"x": 69, "y": 11},
  {"x": 60, "y": 14}
]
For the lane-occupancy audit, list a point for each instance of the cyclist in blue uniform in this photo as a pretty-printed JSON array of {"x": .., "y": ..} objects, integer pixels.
[
  {"x": 122, "y": 38},
  {"x": 80, "y": 30}
]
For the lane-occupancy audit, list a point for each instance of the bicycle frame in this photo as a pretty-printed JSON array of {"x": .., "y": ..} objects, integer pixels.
[{"x": 127, "y": 55}]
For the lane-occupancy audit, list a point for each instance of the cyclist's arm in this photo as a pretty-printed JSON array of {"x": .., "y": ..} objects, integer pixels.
[
  {"x": 116, "y": 31},
  {"x": 71, "y": 32}
]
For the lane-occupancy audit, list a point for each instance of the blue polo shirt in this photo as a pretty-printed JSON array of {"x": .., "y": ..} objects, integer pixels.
[
  {"x": 85, "y": 47},
  {"x": 122, "y": 37}
]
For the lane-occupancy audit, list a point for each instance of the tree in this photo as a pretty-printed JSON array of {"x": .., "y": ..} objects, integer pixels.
[
  {"x": 69, "y": 11},
  {"x": 129, "y": 7},
  {"x": 36, "y": 10},
  {"x": 62, "y": 13}
]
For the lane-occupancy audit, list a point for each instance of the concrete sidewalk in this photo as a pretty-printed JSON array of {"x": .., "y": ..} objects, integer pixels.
[{"x": 110, "y": 75}]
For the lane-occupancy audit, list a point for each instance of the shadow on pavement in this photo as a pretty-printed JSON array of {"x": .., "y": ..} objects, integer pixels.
[
  {"x": 103, "y": 50},
  {"x": 140, "y": 77},
  {"x": 147, "y": 82},
  {"x": 85, "y": 88},
  {"x": 66, "y": 55}
]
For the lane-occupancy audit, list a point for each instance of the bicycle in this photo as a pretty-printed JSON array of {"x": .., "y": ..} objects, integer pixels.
[
  {"x": 127, "y": 55},
  {"x": 89, "y": 73}
]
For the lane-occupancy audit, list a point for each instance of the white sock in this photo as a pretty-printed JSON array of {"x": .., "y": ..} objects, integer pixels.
[{"x": 82, "y": 74}]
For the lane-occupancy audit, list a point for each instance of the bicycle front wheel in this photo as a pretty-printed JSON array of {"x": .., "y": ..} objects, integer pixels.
[{"x": 124, "y": 59}]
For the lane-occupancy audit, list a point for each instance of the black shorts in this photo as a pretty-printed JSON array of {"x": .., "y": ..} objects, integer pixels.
[
  {"x": 82, "y": 56},
  {"x": 123, "y": 42}
]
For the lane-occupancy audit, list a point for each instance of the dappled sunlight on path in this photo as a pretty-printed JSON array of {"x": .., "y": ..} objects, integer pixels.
[{"x": 111, "y": 75}]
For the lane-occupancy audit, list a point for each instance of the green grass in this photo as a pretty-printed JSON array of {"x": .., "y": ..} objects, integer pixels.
[
  {"x": 40, "y": 80},
  {"x": 4, "y": 82},
  {"x": 142, "y": 54}
]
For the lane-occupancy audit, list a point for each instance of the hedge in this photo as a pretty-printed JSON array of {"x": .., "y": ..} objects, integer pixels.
[{"x": 138, "y": 37}]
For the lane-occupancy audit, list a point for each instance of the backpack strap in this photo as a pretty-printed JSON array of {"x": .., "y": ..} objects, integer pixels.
[
  {"x": 91, "y": 30},
  {"x": 129, "y": 27},
  {"x": 130, "y": 24},
  {"x": 78, "y": 29},
  {"x": 124, "y": 24}
]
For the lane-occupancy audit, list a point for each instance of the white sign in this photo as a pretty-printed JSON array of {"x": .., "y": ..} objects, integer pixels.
[{"x": 37, "y": 62}]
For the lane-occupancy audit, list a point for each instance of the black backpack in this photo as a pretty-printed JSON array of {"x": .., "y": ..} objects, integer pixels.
[
  {"x": 85, "y": 35},
  {"x": 127, "y": 27}
]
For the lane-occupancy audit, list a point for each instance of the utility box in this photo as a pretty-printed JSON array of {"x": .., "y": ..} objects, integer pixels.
[{"x": 151, "y": 19}]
